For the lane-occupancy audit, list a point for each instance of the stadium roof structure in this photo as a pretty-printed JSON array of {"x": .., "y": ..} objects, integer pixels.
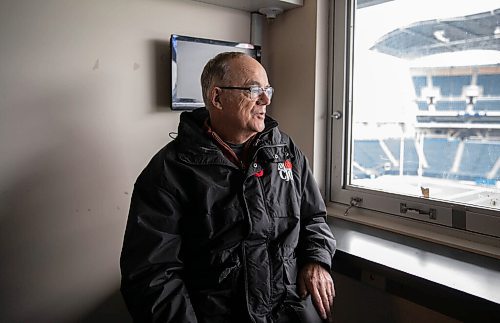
[
  {"x": 368, "y": 3},
  {"x": 477, "y": 31}
]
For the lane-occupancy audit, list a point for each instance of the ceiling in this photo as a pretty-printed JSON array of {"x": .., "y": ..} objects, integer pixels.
[{"x": 255, "y": 5}]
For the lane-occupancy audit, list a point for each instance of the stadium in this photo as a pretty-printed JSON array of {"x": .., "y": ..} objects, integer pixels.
[{"x": 448, "y": 147}]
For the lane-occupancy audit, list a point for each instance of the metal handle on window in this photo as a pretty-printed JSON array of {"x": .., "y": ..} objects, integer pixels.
[
  {"x": 432, "y": 213},
  {"x": 337, "y": 115}
]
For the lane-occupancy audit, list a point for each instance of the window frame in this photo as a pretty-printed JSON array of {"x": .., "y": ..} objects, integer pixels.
[{"x": 468, "y": 220}]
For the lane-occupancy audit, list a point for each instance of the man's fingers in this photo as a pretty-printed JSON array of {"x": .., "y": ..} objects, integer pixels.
[
  {"x": 328, "y": 296},
  {"x": 322, "y": 296},
  {"x": 315, "y": 280},
  {"x": 331, "y": 294},
  {"x": 325, "y": 288},
  {"x": 318, "y": 302},
  {"x": 301, "y": 287}
]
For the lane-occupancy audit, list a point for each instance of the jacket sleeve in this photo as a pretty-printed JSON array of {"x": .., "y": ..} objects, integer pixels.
[
  {"x": 316, "y": 241},
  {"x": 152, "y": 283}
]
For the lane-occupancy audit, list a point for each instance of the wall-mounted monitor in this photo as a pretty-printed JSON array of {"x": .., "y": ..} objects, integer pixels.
[{"x": 189, "y": 56}]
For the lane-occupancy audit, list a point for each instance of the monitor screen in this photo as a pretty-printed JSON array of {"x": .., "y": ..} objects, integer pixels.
[{"x": 189, "y": 56}]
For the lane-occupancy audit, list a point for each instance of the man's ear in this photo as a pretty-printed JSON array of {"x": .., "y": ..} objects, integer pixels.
[{"x": 215, "y": 98}]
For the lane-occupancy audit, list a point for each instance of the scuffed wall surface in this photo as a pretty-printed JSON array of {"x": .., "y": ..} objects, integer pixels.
[{"x": 83, "y": 106}]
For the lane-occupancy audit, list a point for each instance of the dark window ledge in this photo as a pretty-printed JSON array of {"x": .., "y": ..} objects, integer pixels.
[{"x": 457, "y": 283}]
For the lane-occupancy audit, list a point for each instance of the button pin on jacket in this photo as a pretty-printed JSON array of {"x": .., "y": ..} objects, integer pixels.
[{"x": 285, "y": 170}]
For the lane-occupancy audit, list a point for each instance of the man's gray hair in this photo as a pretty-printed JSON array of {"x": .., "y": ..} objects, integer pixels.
[{"x": 215, "y": 71}]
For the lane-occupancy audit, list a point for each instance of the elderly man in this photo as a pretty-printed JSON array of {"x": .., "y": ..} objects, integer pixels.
[{"x": 226, "y": 222}]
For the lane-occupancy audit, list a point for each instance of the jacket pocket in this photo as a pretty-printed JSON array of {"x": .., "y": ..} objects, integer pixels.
[
  {"x": 278, "y": 176},
  {"x": 302, "y": 311},
  {"x": 215, "y": 305},
  {"x": 219, "y": 303},
  {"x": 279, "y": 185}
]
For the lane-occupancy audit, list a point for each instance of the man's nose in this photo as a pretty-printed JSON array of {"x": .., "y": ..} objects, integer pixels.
[{"x": 264, "y": 99}]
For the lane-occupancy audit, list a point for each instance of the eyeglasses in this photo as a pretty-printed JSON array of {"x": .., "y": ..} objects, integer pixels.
[{"x": 255, "y": 91}]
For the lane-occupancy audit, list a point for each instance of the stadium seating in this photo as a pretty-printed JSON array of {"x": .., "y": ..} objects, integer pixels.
[
  {"x": 451, "y": 92},
  {"x": 422, "y": 105},
  {"x": 451, "y": 86},
  {"x": 370, "y": 154},
  {"x": 477, "y": 160},
  {"x": 489, "y": 83},
  {"x": 419, "y": 82},
  {"x": 440, "y": 154},
  {"x": 487, "y": 105},
  {"x": 455, "y": 105}
]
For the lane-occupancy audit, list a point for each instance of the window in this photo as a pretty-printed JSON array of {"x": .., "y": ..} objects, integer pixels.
[{"x": 416, "y": 114}]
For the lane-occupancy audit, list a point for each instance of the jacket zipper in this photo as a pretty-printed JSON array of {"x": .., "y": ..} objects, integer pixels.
[
  {"x": 245, "y": 272},
  {"x": 250, "y": 225},
  {"x": 271, "y": 219}
]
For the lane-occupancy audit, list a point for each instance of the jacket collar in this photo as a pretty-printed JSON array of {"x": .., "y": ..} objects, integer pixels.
[{"x": 198, "y": 144}]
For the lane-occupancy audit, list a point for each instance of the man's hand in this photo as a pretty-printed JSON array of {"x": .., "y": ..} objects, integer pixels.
[{"x": 315, "y": 280}]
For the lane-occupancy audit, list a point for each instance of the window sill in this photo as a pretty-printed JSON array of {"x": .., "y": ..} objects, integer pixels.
[
  {"x": 460, "y": 260},
  {"x": 463, "y": 240}
]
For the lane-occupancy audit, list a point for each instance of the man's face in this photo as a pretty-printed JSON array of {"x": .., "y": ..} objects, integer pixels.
[{"x": 244, "y": 115}]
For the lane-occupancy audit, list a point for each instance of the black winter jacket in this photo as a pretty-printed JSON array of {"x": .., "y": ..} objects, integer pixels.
[{"x": 207, "y": 241}]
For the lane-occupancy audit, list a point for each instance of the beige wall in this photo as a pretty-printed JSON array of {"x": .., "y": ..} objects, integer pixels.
[
  {"x": 83, "y": 106},
  {"x": 295, "y": 53}
]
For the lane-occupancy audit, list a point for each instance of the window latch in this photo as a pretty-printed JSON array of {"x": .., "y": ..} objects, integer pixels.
[
  {"x": 355, "y": 201},
  {"x": 432, "y": 213}
]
